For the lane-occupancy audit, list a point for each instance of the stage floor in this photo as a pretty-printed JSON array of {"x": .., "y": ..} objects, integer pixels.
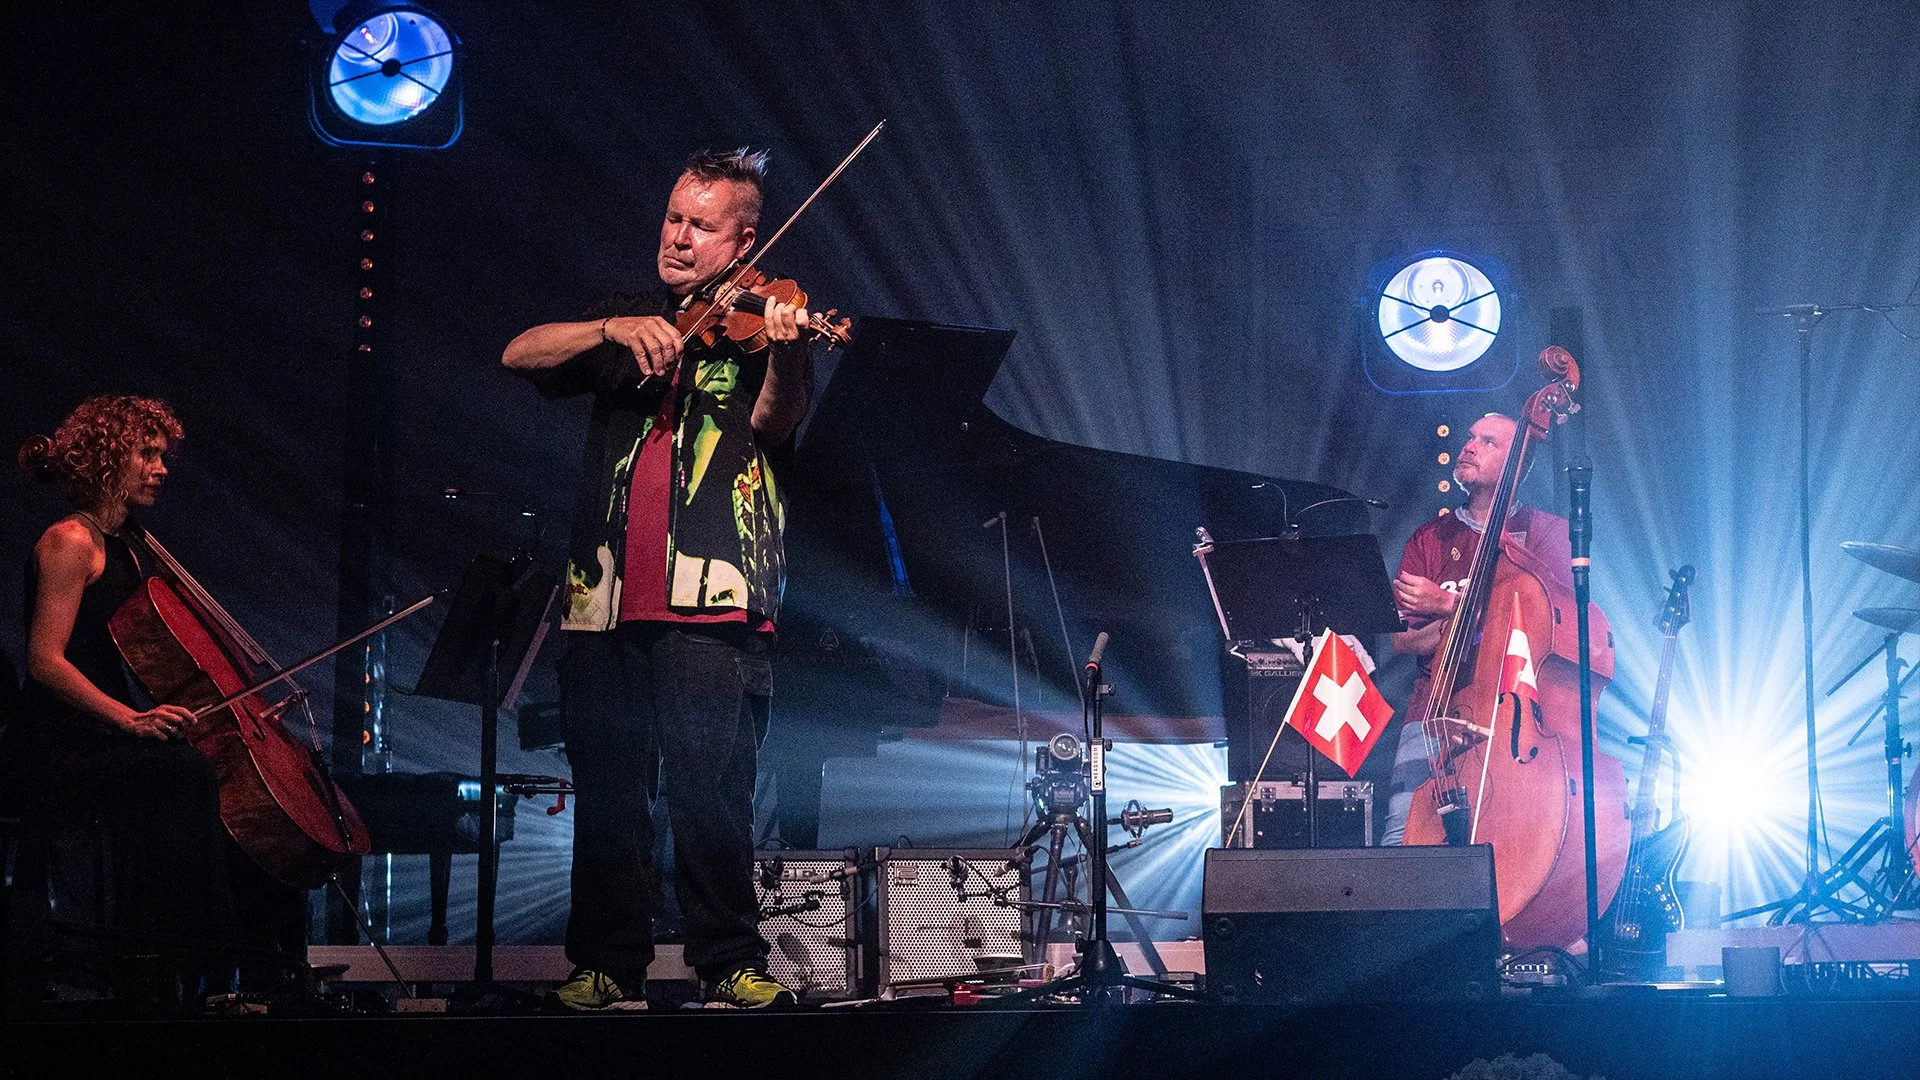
[{"x": 1622, "y": 1035}]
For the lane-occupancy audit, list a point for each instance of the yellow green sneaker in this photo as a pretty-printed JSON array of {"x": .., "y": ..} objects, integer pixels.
[
  {"x": 593, "y": 991},
  {"x": 748, "y": 988}
]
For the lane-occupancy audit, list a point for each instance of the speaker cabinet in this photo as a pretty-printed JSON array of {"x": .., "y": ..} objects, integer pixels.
[
  {"x": 1351, "y": 924},
  {"x": 1256, "y": 689},
  {"x": 921, "y": 929},
  {"x": 807, "y": 904}
]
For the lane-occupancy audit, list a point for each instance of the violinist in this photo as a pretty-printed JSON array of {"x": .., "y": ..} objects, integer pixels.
[
  {"x": 100, "y": 758},
  {"x": 1433, "y": 572},
  {"x": 674, "y": 582}
]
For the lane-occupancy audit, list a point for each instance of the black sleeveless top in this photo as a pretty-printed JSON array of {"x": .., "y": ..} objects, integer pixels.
[{"x": 90, "y": 648}]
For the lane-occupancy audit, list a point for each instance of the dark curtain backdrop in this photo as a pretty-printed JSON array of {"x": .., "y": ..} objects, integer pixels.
[{"x": 1175, "y": 206}]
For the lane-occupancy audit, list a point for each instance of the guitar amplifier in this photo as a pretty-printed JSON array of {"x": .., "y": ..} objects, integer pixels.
[
  {"x": 815, "y": 952},
  {"x": 1256, "y": 687},
  {"x": 1279, "y": 815},
  {"x": 919, "y": 928}
]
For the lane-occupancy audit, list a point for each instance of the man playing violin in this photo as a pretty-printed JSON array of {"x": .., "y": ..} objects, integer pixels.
[
  {"x": 1433, "y": 572},
  {"x": 672, "y": 589},
  {"x": 96, "y": 752}
]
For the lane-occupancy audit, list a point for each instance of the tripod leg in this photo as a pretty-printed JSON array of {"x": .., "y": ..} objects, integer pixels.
[
  {"x": 1140, "y": 934},
  {"x": 1050, "y": 881}
]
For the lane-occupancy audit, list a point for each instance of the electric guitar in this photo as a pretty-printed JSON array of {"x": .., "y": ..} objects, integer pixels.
[{"x": 1647, "y": 908}]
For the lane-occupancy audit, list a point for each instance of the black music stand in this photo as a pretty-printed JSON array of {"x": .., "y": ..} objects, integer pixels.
[
  {"x": 1288, "y": 587},
  {"x": 496, "y": 621}
]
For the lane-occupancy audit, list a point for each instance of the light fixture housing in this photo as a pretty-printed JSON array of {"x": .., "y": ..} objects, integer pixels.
[
  {"x": 1438, "y": 321},
  {"x": 390, "y": 76}
]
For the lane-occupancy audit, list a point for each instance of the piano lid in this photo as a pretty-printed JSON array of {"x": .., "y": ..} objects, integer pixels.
[{"x": 895, "y": 536}]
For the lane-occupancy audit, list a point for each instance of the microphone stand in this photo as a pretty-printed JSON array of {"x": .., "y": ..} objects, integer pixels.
[
  {"x": 1101, "y": 977},
  {"x": 1580, "y": 537}
]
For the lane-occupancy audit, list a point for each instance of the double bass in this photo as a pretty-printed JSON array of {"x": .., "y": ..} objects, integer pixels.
[{"x": 1506, "y": 768}]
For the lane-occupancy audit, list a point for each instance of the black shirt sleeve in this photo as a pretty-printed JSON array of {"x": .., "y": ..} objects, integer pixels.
[{"x": 606, "y": 368}]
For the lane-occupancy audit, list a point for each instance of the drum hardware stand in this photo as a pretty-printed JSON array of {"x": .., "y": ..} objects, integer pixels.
[
  {"x": 1894, "y": 886},
  {"x": 1100, "y": 977},
  {"x": 1814, "y": 891}
]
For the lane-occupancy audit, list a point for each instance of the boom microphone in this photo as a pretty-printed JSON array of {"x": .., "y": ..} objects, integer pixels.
[{"x": 1099, "y": 647}]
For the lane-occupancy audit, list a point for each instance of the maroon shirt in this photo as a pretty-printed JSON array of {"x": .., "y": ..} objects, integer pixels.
[{"x": 1442, "y": 551}]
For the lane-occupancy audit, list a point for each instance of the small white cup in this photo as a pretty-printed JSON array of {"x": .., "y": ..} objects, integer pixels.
[{"x": 1751, "y": 971}]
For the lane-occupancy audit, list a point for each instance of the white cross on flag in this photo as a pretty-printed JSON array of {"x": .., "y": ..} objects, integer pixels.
[
  {"x": 1336, "y": 707},
  {"x": 1516, "y": 670}
]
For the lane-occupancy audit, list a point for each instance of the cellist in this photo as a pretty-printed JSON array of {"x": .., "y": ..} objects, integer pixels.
[
  {"x": 1433, "y": 571},
  {"x": 97, "y": 753}
]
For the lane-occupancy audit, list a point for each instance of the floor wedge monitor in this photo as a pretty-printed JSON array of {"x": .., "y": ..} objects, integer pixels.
[{"x": 1351, "y": 924}]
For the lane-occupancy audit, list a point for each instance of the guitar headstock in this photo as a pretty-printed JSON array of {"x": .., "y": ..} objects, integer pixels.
[{"x": 1678, "y": 610}]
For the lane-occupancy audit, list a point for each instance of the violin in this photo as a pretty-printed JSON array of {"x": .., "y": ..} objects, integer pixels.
[{"x": 734, "y": 309}]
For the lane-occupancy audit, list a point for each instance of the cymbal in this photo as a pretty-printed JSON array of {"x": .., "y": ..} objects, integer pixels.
[
  {"x": 1898, "y": 561},
  {"x": 1897, "y": 619}
]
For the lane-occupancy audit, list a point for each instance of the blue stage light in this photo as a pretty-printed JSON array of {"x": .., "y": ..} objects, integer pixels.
[
  {"x": 390, "y": 68},
  {"x": 1437, "y": 321},
  {"x": 392, "y": 78},
  {"x": 1439, "y": 313}
]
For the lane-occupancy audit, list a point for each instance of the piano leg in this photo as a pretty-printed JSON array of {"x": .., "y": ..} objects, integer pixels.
[{"x": 439, "y": 875}]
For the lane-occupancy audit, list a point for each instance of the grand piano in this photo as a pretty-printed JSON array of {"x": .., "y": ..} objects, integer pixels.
[{"x": 897, "y": 603}]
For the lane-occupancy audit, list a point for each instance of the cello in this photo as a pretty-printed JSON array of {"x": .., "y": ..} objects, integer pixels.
[
  {"x": 277, "y": 800},
  {"x": 1506, "y": 769}
]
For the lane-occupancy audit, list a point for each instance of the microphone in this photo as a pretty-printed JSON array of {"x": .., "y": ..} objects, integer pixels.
[
  {"x": 1137, "y": 818},
  {"x": 1579, "y": 522},
  {"x": 1099, "y": 647},
  {"x": 838, "y": 874},
  {"x": 957, "y": 876},
  {"x": 997, "y": 519}
]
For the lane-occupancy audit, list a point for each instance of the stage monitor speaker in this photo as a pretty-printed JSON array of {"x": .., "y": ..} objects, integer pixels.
[
  {"x": 1351, "y": 924},
  {"x": 921, "y": 929},
  {"x": 812, "y": 951}
]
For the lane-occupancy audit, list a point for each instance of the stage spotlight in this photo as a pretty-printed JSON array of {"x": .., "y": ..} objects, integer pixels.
[
  {"x": 1738, "y": 792},
  {"x": 391, "y": 77},
  {"x": 1436, "y": 322}
]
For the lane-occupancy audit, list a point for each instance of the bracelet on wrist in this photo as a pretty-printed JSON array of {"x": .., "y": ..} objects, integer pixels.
[{"x": 603, "y": 327}]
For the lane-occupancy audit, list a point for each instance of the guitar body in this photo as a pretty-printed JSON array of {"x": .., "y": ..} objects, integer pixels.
[
  {"x": 1647, "y": 907},
  {"x": 1633, "y": 932}
]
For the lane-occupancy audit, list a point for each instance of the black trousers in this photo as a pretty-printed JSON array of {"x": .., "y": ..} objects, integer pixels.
[{"x": 677, "y": 712}]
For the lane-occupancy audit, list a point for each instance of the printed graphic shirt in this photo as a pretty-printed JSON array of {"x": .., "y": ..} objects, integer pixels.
[
  {"x": 1442, "y": 551},
  {"x": 725, "y": 515}
]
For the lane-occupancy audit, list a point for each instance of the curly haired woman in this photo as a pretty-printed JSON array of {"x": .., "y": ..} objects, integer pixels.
[{"x": 103, "y": 760}]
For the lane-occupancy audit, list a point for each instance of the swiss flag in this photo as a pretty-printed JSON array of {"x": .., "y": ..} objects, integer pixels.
[
  {"x": 1516, "y": 670},
  {"x": 1336, "y": 707}
]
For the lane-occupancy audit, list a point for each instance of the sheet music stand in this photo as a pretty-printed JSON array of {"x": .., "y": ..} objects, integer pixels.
[
  {"x": 496, "y": 621},
  {"x": 1289, "y": 587}
]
